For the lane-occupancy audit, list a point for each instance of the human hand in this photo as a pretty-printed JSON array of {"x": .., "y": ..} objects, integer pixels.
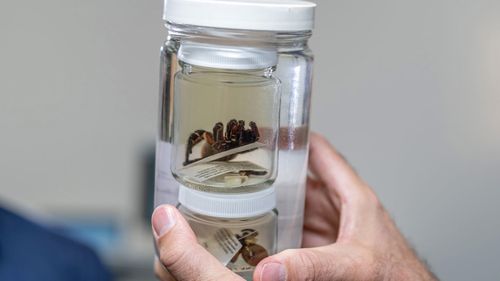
[
  {"x": 348, "y": 233},
  {"x": 180, "y": 256}
]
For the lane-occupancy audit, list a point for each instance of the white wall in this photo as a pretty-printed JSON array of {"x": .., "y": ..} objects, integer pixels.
[
  {"x": 78, "y": 100},
  {"x": 409, "y": 91}
]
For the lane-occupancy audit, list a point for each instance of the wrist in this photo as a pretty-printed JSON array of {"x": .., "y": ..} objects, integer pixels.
[{"x": 416, "y": 270}]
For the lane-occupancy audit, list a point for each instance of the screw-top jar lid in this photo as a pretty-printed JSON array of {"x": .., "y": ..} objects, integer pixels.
[
  {"x": 228, "y": 205},
  {"x": 227, "y": 57},
  {"x": 270, "y": 15}
]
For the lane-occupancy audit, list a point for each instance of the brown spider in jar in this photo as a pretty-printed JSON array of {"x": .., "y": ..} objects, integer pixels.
[
  {"x": 251, "y": 252},
  {"x": 235, "y": 136}
]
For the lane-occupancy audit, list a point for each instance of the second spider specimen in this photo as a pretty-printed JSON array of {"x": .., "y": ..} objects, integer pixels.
[{"x": 251, "y": 252}]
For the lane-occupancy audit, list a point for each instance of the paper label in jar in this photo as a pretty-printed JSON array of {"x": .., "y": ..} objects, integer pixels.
[
  {"x": 205, "y": 171},
  {"x": 237, "y": 150},
  {"x": 222, "y": 244}
]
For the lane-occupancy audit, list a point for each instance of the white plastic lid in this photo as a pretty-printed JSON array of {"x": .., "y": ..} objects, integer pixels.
[
  {"x": 227, "y": 57},
  {"x": 228, "y": 205},
  {"x": 271, "y": 15}
]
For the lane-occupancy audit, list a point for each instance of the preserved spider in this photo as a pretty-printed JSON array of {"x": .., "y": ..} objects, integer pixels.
[
  {"x": 251, "y": 252},
  {"x": 236, "y": 135}
]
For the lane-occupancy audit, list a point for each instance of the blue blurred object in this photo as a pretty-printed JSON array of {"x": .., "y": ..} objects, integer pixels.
[
  {"x": 29, "y": 252},
  {"x": 100, "y": 234}
]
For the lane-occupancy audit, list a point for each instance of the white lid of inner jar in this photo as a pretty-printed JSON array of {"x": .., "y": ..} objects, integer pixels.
[
  {"x": 227, "y": 57},
  {"x": 271, "y": 15},
  {"x": 228, "y": 205}
]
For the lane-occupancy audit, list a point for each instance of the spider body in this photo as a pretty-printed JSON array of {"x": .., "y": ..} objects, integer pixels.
[
  {"x": 217, "y": 141},
  {"x": 251, "y": 252}
]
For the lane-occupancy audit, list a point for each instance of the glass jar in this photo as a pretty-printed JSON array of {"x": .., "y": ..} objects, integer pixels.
[
  {"x": 294, "y": 70},
  {"x": 226, "y": 117},
  {"x": 239, "y": 230}
]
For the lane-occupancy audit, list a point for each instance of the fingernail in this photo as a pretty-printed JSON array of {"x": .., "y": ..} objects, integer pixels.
[
  {"x": 273, "y": 271},
  {"x": 163, "y": 220}
]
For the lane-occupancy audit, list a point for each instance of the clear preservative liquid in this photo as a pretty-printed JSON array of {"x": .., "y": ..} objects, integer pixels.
[{"x": 227, "y": 147}]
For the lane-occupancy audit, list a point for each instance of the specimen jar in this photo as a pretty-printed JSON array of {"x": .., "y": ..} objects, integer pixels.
[
  {"x": 238, "y": 229},
  {"x": 226, "y": 116},
  {"x": 288, "y": 28}
]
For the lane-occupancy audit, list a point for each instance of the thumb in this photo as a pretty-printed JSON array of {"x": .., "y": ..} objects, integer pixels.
[
  {"x": 319, "y": 264},
  {"x": 179, "y": 251}
]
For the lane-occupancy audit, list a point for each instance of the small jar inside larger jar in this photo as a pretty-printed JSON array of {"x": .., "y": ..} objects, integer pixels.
[
  {"x": 239, "y": 244},
  {"x": 226, "y": 118}
]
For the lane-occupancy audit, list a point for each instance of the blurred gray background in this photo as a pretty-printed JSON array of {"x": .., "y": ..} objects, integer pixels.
[{"x": 409, "y": 91}]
